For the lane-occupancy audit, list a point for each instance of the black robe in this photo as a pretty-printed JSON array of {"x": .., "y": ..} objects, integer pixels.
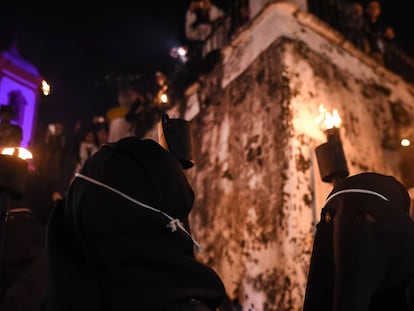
[
  {"x": 107, "y": 253},
  {"x": 363, "y": 252}
]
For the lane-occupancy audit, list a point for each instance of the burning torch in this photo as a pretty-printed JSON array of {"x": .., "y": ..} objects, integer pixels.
[{"x": 330, "y": 155}]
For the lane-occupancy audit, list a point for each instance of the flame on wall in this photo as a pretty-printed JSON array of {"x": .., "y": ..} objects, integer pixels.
[{"x": 327, "y": 119}]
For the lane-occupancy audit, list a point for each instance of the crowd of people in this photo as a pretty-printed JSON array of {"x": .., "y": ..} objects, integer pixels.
[
  {"x": 363, "y": 23},
  {"x": 209, "y": 27},
  {"x": 365, "y": 27},
  {"x": 59, "y": 157},
  {"x": 65, "y": 149},
  {"x": 120, "y": 236}
]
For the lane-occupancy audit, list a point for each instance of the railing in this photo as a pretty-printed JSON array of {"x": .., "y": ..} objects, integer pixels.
[
  {"x": 203, "y": 55},
  {"x": 398, "y": 61}
]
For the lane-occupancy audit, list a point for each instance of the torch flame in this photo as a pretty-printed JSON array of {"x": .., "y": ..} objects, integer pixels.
[
  {"x": 20, "y": 152},
  {"x": 328, "y": 120},
  {"x": 45, "y": 88}
]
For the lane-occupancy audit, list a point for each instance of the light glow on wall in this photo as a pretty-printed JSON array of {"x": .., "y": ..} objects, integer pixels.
[{"x": 405, "y": 142}]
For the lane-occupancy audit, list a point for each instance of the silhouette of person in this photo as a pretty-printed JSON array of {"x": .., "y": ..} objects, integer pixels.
[
  {"x": 128, "y": 93},
  {"x": 354, "y": 25},
  {"x": 10, "y": 134},
  {"x": 376, "y": 32},
  {"x": 121, "y": 240},
  {"x": 363, "y": 248}
]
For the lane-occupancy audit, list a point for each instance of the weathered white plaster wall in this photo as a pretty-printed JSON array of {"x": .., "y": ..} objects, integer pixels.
[{"x": 256, "y": 179}]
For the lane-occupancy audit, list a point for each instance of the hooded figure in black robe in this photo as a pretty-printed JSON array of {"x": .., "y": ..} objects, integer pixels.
[
  {"x": 121, "y": 240},
  {"x": 363, "y": 252}
]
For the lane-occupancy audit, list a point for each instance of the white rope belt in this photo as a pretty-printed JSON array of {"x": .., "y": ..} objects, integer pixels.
[
  {"x": 355, "y": 191},
  {"x": 20, "y": 210},
  {"x": 174, "y": 222}
]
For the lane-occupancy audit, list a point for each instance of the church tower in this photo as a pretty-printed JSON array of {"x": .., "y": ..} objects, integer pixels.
[{"x": 20, "y": 84}]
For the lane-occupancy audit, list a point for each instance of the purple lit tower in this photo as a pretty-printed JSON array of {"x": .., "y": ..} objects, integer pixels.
[{"x": 20, "y": 85}]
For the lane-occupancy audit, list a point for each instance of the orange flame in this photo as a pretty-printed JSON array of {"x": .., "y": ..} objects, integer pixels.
[
  {"x": 20, "y": 152},
  {"x": 328, "y": 120}
]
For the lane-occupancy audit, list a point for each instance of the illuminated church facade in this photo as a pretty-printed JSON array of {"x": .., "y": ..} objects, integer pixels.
[{"x": 20, "y": 84}]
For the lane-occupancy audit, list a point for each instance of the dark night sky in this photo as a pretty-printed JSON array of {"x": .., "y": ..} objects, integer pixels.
[{"x": 76, "y": 46}]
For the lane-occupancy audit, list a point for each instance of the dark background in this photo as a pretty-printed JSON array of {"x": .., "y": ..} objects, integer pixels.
[{"x": 77, "y": 46}]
